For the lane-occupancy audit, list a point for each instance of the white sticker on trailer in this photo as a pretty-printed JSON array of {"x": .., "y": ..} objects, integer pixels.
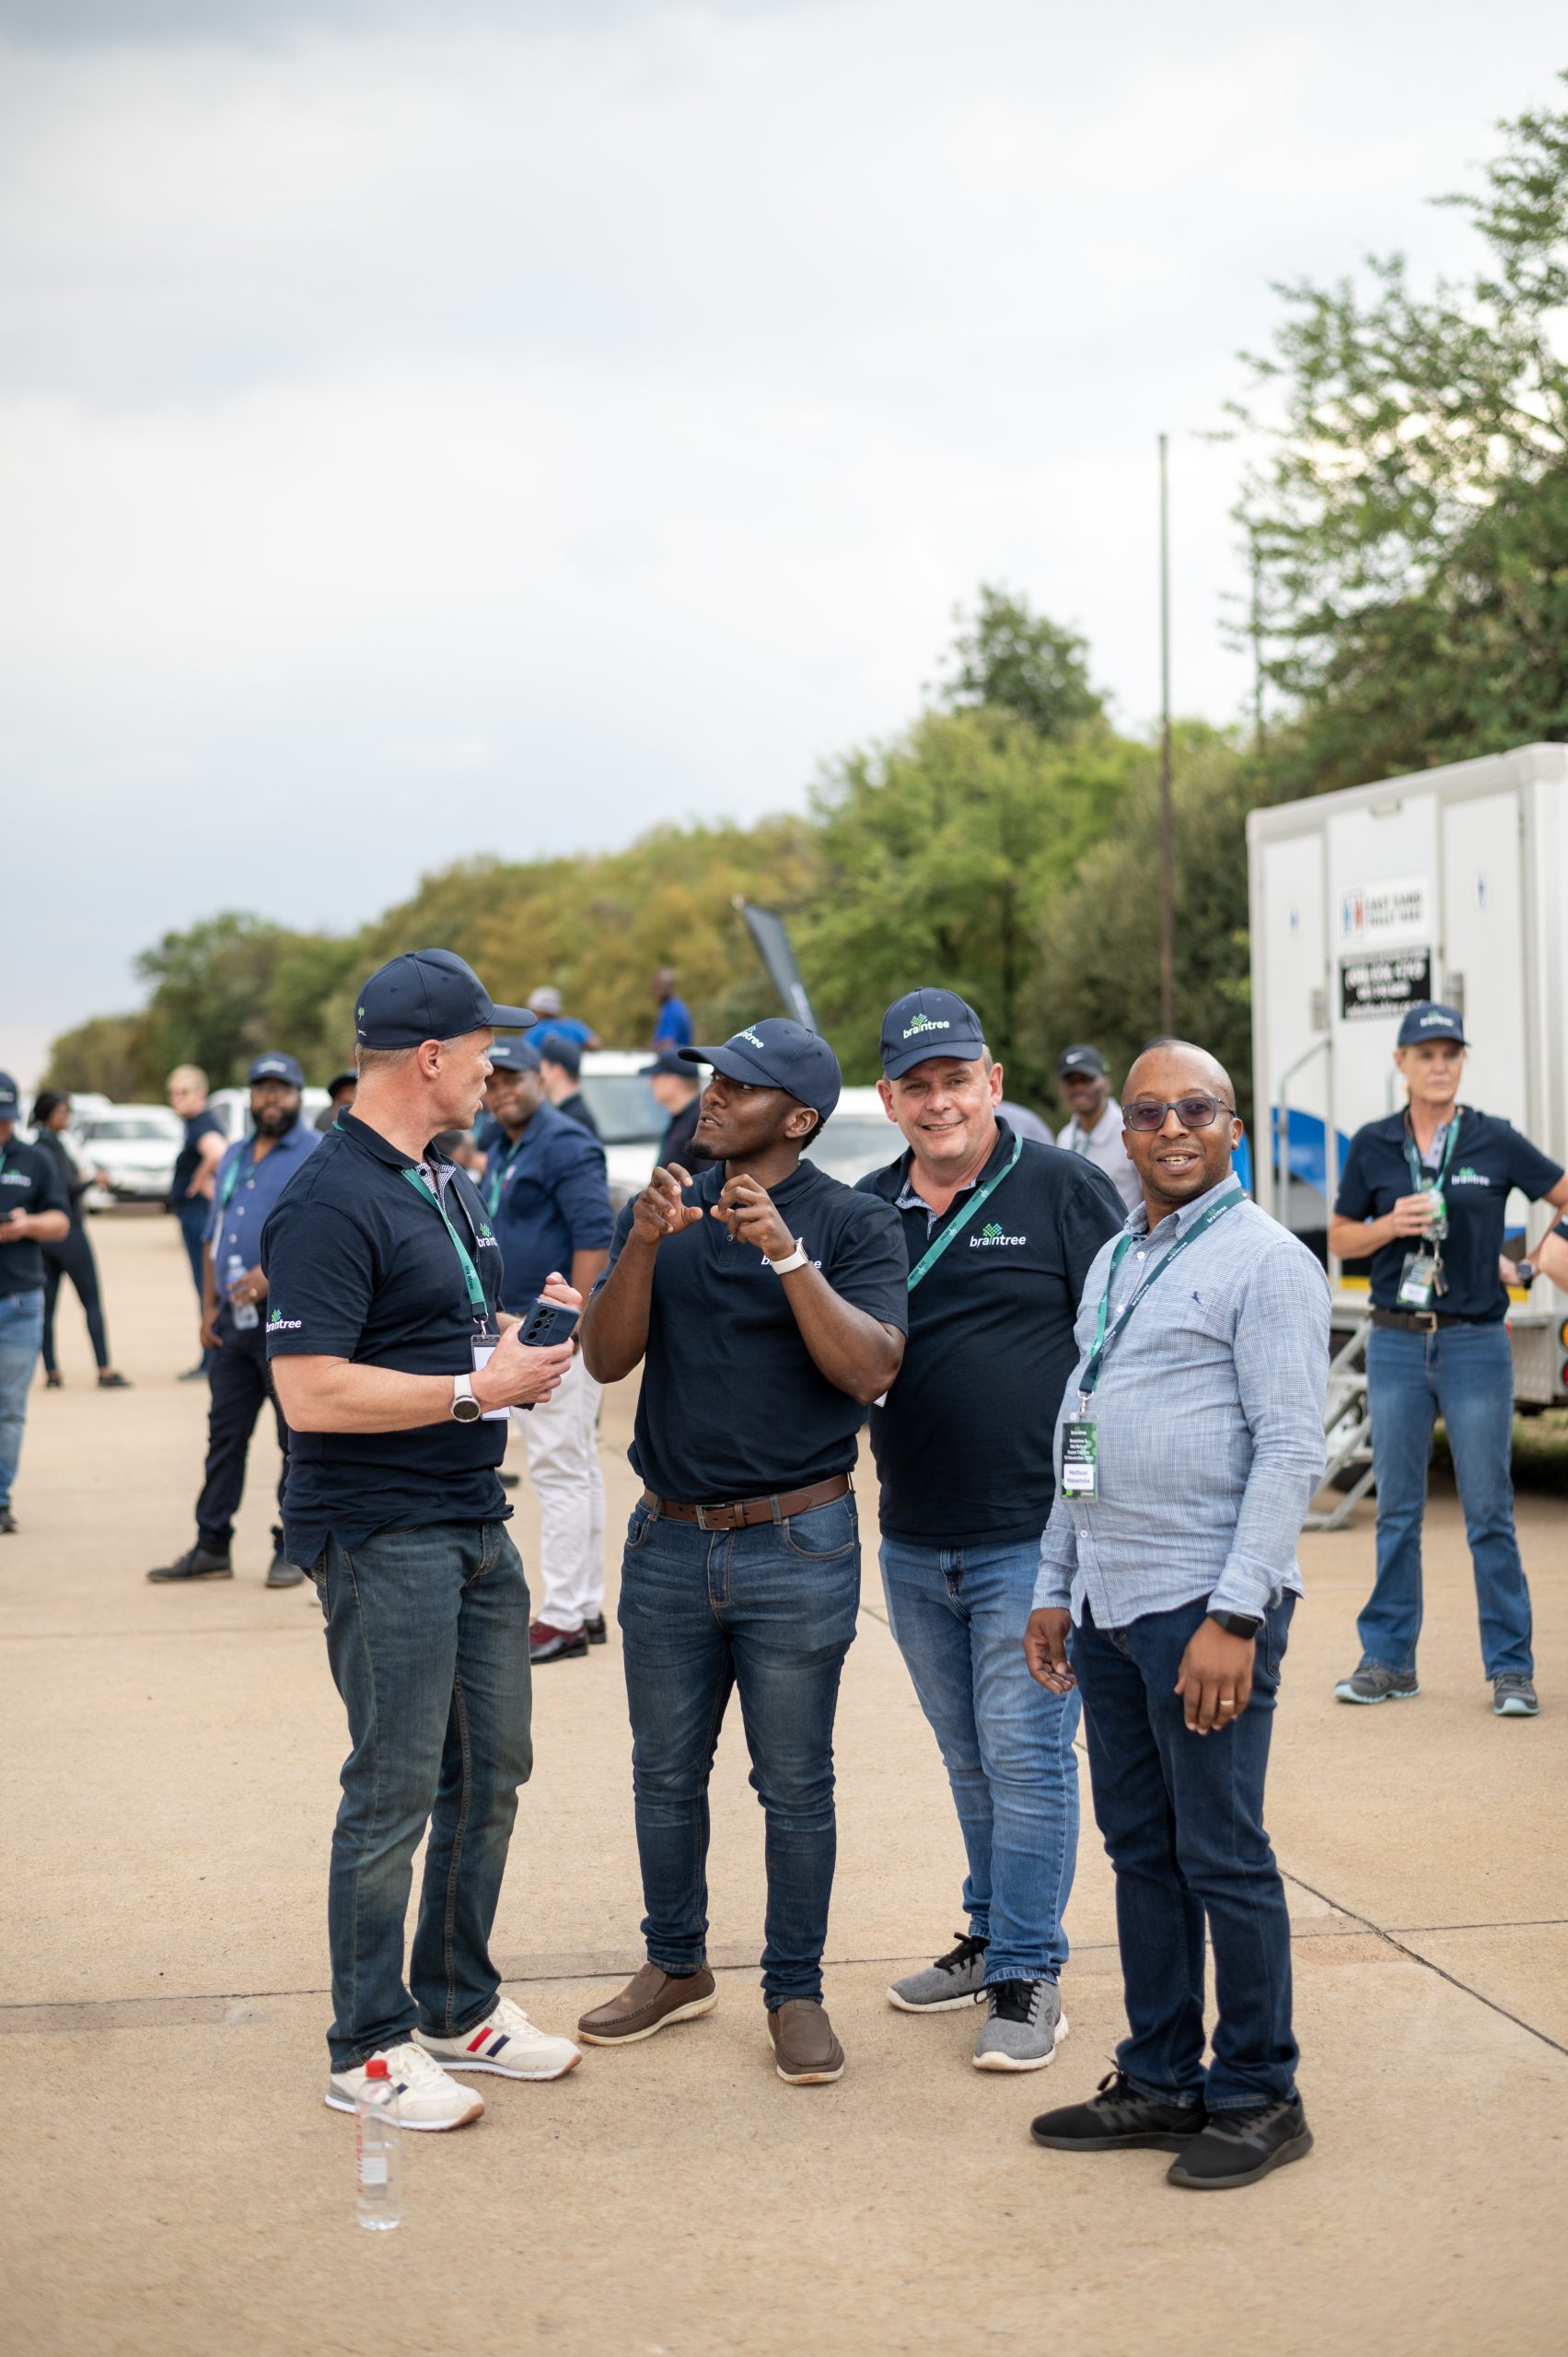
[{"x": 1399, "y": 909}]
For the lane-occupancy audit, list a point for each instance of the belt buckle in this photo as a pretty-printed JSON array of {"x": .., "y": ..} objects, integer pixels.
[{"x": 702, "y": 1515}]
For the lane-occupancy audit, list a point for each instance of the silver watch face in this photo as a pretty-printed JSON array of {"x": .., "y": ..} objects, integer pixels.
[{"x": 467, "y": 1411}]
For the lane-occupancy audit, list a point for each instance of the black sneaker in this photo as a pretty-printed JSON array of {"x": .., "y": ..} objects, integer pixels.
[
  {"x": 1117, "y": 2119},
  {"x": 593, "y": 1629},
  {"x": 198, "y": 1562},
  {"x": 197, "y": 1374},
  {"x": 8, "y": 1523},
  {"x": 509, "y": 1481},
  {"x": 1239, "y": 2147},
  {"x": 281, "y": 1572}
]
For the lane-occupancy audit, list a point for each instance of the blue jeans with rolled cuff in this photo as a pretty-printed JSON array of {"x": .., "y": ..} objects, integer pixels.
[
  {"x": 21, "y": 1338},
  {"x": 958, "y": 1615},
  {"x": 769, "y": 1613},
  {"x": 1182, "y": 1817},
  {"x": 1464, "y": 1374},
  {"x": 427, "y": 1633}
]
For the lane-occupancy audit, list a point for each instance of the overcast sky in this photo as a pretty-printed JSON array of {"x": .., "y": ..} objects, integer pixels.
[{"x": 436, "y": 428}]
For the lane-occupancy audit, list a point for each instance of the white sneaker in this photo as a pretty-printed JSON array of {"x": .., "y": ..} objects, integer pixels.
[
  {"x": 507, "y": 2044},
  {"x": 426, "y": 2098}
]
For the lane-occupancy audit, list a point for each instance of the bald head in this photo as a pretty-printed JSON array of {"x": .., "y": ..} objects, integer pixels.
[
  {"x": 1192, "y": 1066},
  {"x": 1177, "y": 1163}
]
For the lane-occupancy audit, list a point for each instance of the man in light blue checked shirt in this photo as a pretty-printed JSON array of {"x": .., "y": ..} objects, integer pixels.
[{"x": 1188, "y": 1449}]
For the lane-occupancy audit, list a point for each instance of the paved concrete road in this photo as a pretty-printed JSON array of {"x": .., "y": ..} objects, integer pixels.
[{"x": 172, "y": 2183}]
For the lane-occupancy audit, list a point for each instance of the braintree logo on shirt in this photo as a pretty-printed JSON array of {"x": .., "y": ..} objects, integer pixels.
[
  {"x": 15, "y": 1179},
  {"x": 278, "y": 1324},
  {"x": 926, "y": 1022},
  {"x": 992, "y": 1234},
  {"x": 1468, "y": 1178}
]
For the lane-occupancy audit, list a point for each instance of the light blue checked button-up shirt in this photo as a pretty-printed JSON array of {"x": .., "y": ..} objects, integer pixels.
[{"x": 1210, "y": 1408}]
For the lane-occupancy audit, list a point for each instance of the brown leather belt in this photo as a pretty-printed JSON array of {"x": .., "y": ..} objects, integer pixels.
[
  {"x": 743, "y": 1514},
  {"x": 1418, "y": 1321}
]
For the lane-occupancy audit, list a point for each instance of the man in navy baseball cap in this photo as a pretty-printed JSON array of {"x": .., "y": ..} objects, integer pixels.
[
  {"x": 1427, "y": 1020},
  {"x": 515, "y": 1056},
  {"x": 274, "y": 1067},
  {"x": 429, "y": 994},
  {"x": 776, "y": 1053},
  {"x": 929, "y": 1023}
]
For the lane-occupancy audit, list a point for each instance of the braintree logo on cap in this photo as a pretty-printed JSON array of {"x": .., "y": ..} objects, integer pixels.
[
  {"x": 1428, "y": 1020},
  {"x": 927, "y": 1023},
  {"x": 752, "y": 1037}
]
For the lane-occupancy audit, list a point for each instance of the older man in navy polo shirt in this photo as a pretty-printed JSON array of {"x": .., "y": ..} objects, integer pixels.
[
  {"x": 768, "y": 1301},
  {"x": 545, "y": 1189},
  {"x": 396, "y": 1367},
  {"x": 250, "y": 1178}
]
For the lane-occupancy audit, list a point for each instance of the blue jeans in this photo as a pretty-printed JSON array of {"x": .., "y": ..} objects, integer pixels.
[
  {"x": 1182, "y": 1816},
  {"x": 194, "y": 1215},
  {"x": 958, "y": 1615},
  {"x": 21, "y": 1338},
  {"x": 427, "y": 1633},
  {"x": 770, "y": 1611},
  {"x": 1464, "y": 1374}
]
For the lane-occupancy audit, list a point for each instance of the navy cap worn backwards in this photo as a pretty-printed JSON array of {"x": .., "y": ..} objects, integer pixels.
[
  {"x": 929, "y": 1023},
  {"x": 1083, "y": 1059},
  {"x": 560, "y": 1050},
  {"x": 277, "y": 1068},
  {"x": 776, "y": 1053},
  {"x": 9, "y": 1099},
  {"x": 428, "y": 994},
  {"x": 670, "y": 1064},
  {"x": 1427, "y": 1020}
]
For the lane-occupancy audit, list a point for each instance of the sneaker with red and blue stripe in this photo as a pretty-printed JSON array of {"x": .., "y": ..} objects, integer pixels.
[{"x": 509, "y": 2044}]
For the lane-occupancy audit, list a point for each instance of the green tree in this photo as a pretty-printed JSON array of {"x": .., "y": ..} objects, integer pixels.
[
  {"x": 1018, "y": 661},
  {"x": 110, "y": 1053}
]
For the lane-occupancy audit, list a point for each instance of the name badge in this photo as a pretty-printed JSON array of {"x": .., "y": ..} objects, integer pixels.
[
  {"x": 485, "y": 1343},
  {"x": 1080, "y": 1460},
  {"x": 1418, "y": 1281}
]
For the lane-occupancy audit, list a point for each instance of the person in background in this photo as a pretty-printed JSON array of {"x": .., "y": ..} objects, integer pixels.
[
  {"x": 1094, "y": 1129},
  {"x": 544, "y": 1188},
  {"x": 1022, "y": 1122},
  {"x": 1423, "y": 1193},
  {"x": 191, "y": 1188},
  {"x": 34, "y": 1210},
  {"x": 1189, "y": 1445},
  {"x": 1549, "y": 1258},
  {"x": 73, "y": 1255},
  {"x": 672, "y": 1024},
  {"x": 560, "y": 1063},
  {"x": 546, "y": 1003},
  {"x": 463, "y": 1148},
  {"x": 679, "y": 1091},
  {"x": 341, "y": 1090},
  {"x": 250, "y": 1178}
]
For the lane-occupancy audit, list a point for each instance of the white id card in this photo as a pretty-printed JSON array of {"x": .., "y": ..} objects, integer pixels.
[{"x": 484, "y": 1351}]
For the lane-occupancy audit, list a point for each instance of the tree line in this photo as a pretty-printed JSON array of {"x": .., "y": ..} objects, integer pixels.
[{"x": 1405, "y": 512}]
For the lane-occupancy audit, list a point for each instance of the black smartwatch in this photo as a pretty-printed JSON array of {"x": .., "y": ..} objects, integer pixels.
[{"x": 1237, "y": 1624}]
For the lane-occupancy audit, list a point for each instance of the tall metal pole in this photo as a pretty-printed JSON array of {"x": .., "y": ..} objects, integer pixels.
[
  {"x": 1257, "y": 647},
  {"x": 1168, "y": 825}
]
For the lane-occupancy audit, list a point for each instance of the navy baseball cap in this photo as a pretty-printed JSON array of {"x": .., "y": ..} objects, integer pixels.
[
  {"x": 10, "y": 1099},
  {"x": 670, "y": 1063},
  {"x": 560, "y": 1050},
  {"x": 929, "y": 1023},
  {"x": 342, "y": 1080},
  {"x": 428, "y": 994},
  {"x": 1082, "y": 1058},
  {"x": 276, "y": 1068},
  {"x": 515, "y": 1056},
  {"x": 1427, "y": 1020},
  {"x": 776, "y": 1053}
]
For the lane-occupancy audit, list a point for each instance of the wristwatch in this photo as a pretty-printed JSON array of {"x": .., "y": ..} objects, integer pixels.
[
  {"x": 465, "y": 1407},
  {"x": 1237, "y": 1624},
  {"x": 1525, "y": 1273},
  {"x": 796, "y": 1260}
]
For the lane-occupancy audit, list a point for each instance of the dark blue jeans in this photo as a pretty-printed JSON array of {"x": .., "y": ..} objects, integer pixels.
[
  {"x": 1182, "y": 1816},
  {"x": 22, "y": 1335},
  {"x": 1464, "y": 1374},
  {"x": 194, "y": 1215},
  {"x": 770, "y": 1612},
  {"x": 427, "y": 1632}
]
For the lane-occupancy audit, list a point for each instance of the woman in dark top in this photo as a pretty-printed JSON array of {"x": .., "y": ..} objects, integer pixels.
[{"x": 73, "y": 1255}]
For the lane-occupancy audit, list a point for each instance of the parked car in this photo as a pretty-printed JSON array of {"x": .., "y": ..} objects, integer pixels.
[
  {"x": 134, "y": 1146},
  {"x": 630, "y": 1118},
  {"x": 858, "y": 1137}
]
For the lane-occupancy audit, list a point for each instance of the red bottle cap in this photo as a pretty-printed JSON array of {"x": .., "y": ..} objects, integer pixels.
[{"x": 376, "y": 2067}]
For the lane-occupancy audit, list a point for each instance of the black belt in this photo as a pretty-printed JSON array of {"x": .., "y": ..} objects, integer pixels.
[{"x": 1420, "y": 1321}]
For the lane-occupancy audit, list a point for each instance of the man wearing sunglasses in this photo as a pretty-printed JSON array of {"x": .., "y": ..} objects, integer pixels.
[{"x": 1188, "y": 1449}]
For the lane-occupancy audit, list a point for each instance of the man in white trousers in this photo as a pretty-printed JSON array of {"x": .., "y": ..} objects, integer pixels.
[{"x": 544, "y": 1187}]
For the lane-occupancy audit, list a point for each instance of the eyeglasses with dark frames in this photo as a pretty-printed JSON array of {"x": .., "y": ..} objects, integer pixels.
[{"x": 1192, "y": 1112}]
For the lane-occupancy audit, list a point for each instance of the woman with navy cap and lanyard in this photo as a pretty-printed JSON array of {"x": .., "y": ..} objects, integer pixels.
[{"x": 1423, "y": 1196}]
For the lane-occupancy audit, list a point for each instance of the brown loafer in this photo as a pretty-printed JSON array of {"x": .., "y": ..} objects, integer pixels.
[
  {"x": 651, "y": 2000},
  {"x": 805, "y": 2052}
]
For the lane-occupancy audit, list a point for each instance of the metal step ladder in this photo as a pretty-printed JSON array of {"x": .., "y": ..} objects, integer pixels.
[{"x": 1347, "y": 1422}]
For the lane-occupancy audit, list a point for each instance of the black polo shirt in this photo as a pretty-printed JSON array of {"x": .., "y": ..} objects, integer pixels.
[
  {"x": 29, "y": 1181},
  {"x": 963, "y": 1445},
  {"x": 1490, "y": 1157},
  {"x": 358, "y": 1266},
  {"x": 733, "y": 1404}
]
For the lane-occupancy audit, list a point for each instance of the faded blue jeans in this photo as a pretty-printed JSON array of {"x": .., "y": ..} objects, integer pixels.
[
  {"x": 769, "y": 1613},
  {"x": 959, "y": 1614},
  {"x": 427, "y": 1633},
  {"x": 21, "y": 1338},
  {"x": 1464, "y": 1374}
]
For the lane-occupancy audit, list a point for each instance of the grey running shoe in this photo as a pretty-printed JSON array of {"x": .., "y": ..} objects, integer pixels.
[
  {"x": 955, "y": 1979},
  {"x": 1024, "y": 2026},
  {"x": 1514, "y": 1696},
  {"x": 1372, "y": 1683}
]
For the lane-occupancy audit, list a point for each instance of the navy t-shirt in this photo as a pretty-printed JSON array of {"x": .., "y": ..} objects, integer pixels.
[
  {"x": 188, "y": 1161},
  {"x": 733, "y": 1405},
  {"x": 358, "y": 1266},
  {"x": 963, "y": 1446},
  {"x": 549, "y": 1199},
  {"x": 1490, "y": 1157},
  {"x": 30, "y": 1181}
]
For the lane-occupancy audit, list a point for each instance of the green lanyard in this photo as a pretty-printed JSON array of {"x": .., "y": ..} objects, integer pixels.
[
  {"x": 1421, "y": 1178},
  {"x": 494, "y": 1179},
  {"x": 1104, "y": 1339},
  {"x": 231, "y": 1178},
  {"x": 477, "y": 1302},
  {"x": 934, "y": 1251}
]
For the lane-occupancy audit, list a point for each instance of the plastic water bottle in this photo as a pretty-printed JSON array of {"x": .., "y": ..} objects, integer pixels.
[
  {"x": 377, "y": 2164},
  {"x": 245, "y": 1314}
]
